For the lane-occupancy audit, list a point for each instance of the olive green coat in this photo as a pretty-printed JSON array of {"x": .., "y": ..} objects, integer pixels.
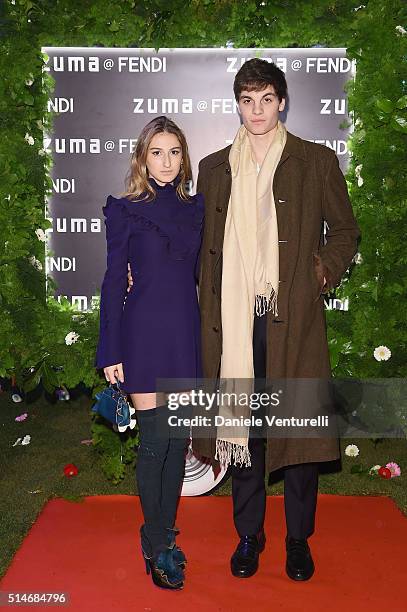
[{"x": 308, "y": 188}]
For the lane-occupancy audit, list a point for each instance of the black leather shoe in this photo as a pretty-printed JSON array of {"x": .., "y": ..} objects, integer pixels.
[
  {"x": 299, "y": 565},
  {"x": 245, "y": 560}
]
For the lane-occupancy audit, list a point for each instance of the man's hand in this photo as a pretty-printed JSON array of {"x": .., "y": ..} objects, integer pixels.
[
  {"x": 129, "y": 278},
  {"x": 114, "y": 371},
  {"x": 321, "y": 271}
]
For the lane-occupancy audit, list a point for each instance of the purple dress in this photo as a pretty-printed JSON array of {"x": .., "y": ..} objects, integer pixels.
[{"x": 154, "y": 330}]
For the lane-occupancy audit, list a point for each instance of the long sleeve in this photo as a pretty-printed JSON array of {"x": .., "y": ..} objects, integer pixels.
[
  {"x": 114, "y": 284},
  {"x": 343, "y": 232}
]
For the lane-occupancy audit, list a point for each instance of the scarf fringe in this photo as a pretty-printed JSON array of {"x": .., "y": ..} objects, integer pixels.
[
  {"x": 226, "y": 451},
  {"x": 266, "y": 303}
]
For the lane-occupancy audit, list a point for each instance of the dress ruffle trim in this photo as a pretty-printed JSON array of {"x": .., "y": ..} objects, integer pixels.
[{"x": 181, "y": 228}]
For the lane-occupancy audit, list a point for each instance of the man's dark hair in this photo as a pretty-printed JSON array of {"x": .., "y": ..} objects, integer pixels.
[{"x": 256, "y": 74}]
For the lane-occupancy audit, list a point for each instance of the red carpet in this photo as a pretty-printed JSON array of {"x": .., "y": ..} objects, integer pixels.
[{"x": 91, "y": 551}]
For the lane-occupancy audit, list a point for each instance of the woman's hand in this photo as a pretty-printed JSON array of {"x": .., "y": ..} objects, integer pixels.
[
  {"x": 114, "y": 371},
  {"x": 129, "y": 278}
]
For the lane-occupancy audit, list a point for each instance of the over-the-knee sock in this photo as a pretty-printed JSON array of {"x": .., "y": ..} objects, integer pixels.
[
  {"x": 174, "y": 469},
  {"x": 152, "y": 452},
  {"x": 172, "y": 479}
]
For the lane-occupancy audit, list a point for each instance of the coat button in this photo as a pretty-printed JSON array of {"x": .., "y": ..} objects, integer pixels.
[
  {"x": 219, "y": 208},
  {"x": 228, "y": 170},
  {"x": 212, "y": 251},
  {"x": 215, "y": 329}
]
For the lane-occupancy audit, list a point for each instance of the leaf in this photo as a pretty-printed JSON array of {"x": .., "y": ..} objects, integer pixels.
[
  {"x": 334, "y": 354},
  {"x": 385, "y": 105},
  {"x": 383, "y": 117},
  {"x": 48, "y": 376},
  {"x": 399, "y": 123},
  {"x": 374, "y": 292},
  {"x": 402, "y": 102},
  {"x": 32, "y": 382}
]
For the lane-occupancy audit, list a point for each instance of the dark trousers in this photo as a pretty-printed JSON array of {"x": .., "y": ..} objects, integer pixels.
[{"x": 248, "y": 486}]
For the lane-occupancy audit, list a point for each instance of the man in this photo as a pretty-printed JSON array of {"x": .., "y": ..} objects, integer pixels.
[{"x": 264, "y": 268}]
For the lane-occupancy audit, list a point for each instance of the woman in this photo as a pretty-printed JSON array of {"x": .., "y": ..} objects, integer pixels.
[{"x": 156, "y": 227}]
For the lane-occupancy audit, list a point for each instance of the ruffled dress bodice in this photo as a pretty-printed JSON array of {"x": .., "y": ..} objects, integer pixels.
[{"x": 177, "y": 221}]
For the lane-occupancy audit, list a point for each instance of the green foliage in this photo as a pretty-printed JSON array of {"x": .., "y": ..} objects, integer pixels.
[
  {"x": 115, "y": 450},
  {"x": 33, "y": 325},
  {"x": 377, "y": 287}
]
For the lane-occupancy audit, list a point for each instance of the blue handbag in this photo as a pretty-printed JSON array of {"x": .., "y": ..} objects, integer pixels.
[{"x": 112, "y": 405}]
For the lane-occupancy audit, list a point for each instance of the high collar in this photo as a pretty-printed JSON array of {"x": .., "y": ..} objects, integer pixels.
[{"x": 168, "y": 187}]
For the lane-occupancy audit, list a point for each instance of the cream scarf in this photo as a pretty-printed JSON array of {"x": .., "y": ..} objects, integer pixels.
[{"x": 249, "y": 280}]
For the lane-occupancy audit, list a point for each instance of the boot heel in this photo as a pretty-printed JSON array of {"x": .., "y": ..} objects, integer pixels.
[{"x": 147, "y": 562}]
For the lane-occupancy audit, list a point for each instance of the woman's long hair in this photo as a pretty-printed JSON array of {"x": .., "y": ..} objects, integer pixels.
[{"x": 137, "y": 177}]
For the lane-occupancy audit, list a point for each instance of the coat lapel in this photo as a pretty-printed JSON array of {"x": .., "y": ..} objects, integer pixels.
[{"x": 294, "y": 147}]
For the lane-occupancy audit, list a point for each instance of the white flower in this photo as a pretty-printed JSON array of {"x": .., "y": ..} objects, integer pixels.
[
  {"x": 29, "y": 139},
  {"x": 30, "y": 80},
  {"x": 26, "y": 440},
  {"x": 41, "y": 234},
  {"x": 34, "y": 262},
  {"x": 71, "y": 338},
  {"x": 401, "y": 30},
  {"x": 41, "y": 152},
  {"x": 374, "y": 469},
  {"x": 357, "y": 174},
  {"x": 358, "y": 259},
  {"x": 18, "y": 441},
  {"x": 352, "y": 450},
  {"x": 382, "y": 353}
]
